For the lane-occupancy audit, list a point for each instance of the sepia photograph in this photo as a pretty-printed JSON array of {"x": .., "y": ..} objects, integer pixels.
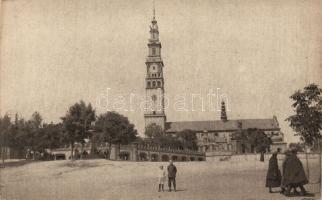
[{"x": 160, "y": 99}]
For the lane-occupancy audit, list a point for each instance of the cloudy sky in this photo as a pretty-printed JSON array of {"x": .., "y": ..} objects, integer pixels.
[{"x": 57, "y": 52}]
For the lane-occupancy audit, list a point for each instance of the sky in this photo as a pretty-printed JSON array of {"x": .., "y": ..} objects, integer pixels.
[{"x": 255, "y": 53}]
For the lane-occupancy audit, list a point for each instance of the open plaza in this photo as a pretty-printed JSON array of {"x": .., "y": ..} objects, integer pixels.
[{"x": 239, "y": 177}]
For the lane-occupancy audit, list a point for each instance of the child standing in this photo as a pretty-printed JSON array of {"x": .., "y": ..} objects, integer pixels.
[{"x": 162, "y": 177}]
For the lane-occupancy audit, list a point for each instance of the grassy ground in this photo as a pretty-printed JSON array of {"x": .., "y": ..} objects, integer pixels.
[{"x": 103, "y": 179}]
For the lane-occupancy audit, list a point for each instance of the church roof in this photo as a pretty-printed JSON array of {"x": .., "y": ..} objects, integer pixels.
[{"x": 218, "y": 125}]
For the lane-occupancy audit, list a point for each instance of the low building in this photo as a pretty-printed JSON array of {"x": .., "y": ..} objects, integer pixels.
[{"x": 217, "y": 135}]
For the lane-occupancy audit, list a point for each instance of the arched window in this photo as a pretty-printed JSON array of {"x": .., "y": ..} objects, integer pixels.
[
  {"x": 149, "y": 84},
  {"x": 153, "y": 83},
  {"x": 153, "y": 51},
  {"x": 159, "y": 84}
]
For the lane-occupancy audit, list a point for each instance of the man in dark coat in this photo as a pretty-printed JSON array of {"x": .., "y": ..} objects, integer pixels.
[
  {"x": 172, "y": 172},
  {"x": 293, "y": 173},
  {"x": 273, "y": 177}
]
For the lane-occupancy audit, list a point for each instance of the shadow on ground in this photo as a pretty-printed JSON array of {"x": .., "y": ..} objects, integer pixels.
[
  {"x": 80, "y": 164},
  {"x": 17, "y": 163}
]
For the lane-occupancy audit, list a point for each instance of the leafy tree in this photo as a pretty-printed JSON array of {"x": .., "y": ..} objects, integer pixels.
[
  {"x": 168, "y": 141},
  {"x": 49, "y": 137},
  {"x": 189, "y": 139},
  {"x": 32, "y": 130},
  {"x": 307, "y": 120},
  {"x": 36, "y": 120},
  {"x": 24, "y": 134},
  {"x": 156, "y": 136},
  {"x": 298, "y": 146},
  {"x": 76, "y": 123},
  {"x": 18, "y": 136},
  {"x": 254, "y": 137},
  {"x": 114, "y": 128},
  {"x": 5, "y": 128},
  {"x": 153, "y": 131}
]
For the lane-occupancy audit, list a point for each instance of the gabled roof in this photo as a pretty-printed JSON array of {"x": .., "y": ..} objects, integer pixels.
[{"x": 218, "y": 125}]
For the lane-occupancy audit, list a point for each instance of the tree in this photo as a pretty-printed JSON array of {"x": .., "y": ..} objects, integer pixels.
[
  {"x": 169, "y": 141},
  {"x": 36, "y": 120},
  {"x": 298, "y": 146},
  {"x": 18, "y": 137},
  {"x": 114, "y": 128},
  {"x": 307, "y": 120},
  {"x": 32, "y": 131},
  {"x": 254, "y": 137},
  {"x": 189, "y": 139},
  {"x": 153, "y": 131},
  {"x": 156, "y": 136},
  {"x": 5, "y": 128},
  {"x": 49, "y": 137},
  {"x": 76, "y": 124},
  {"x": 27, "y": 134}
]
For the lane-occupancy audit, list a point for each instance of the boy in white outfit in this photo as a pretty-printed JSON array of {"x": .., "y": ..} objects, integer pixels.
[{"x": 161, "y": 177}]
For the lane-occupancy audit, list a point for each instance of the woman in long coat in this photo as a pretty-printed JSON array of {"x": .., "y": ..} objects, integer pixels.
[
  {"x": 273, "y": 177},
  {"x": 293, "y": 173}
]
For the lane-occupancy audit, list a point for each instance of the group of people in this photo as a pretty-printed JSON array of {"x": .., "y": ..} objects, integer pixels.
[
  {"x": 171, "y": 172},
  {"x": 292, "y": 176}
]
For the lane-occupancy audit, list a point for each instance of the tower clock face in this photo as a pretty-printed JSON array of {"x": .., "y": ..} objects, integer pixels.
[{"x": 154, "y": 68}]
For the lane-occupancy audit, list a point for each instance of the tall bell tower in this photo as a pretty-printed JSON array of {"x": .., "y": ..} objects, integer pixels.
[{"x": 154, "y": 90}]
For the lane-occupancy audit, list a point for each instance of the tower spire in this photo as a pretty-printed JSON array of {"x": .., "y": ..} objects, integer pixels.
[
  {"x": 153, "y": 10},
  {"x": 223, "y": 112}
]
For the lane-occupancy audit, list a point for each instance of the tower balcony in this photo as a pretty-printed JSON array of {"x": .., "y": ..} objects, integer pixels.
[
  {"x": 154, "y": 114},
  {"x": 153, "y": 59},
  {"x": 154, "y": 41}
]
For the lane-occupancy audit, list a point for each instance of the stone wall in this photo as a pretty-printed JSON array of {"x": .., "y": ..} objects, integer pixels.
[{"x": 255, "y": 157}]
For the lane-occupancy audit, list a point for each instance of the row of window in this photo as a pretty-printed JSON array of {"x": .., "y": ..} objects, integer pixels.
[
  {"x": 219, "y": 147},
  {"x": 154, "y": 83},
  {"x": 212, "y": 134},
  {"x": 155, "y": 75}
]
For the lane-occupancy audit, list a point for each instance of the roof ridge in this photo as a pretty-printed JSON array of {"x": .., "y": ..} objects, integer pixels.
[{"x": 221, "y": 120}]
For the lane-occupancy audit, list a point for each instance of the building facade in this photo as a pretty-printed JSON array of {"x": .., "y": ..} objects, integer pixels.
[{"x": 213, "y": 135}]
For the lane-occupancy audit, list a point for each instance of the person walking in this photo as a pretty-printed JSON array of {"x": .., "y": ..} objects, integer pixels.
[
  {"x": 273, "y": 177},
  {"x": 172, "y": 172},
  {"x": 293, "y": 174}
]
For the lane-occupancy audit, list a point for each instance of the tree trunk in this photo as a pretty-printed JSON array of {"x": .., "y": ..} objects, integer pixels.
[
  {"x": 319, "y": 151},
  {"x": 72, "y": 151},
  {"x": 81, "y": 153},
  {"x": 307, "y": 164},
  {"x": 2, "y": 154},
  {"x": 109, "y": 151},
  {"x": 262, "y": 156},
  {"x": 3, "y": 149}
]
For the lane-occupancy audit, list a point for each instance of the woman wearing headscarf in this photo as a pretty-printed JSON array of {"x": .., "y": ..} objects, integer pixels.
[{"x": 273, "y": 177}]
